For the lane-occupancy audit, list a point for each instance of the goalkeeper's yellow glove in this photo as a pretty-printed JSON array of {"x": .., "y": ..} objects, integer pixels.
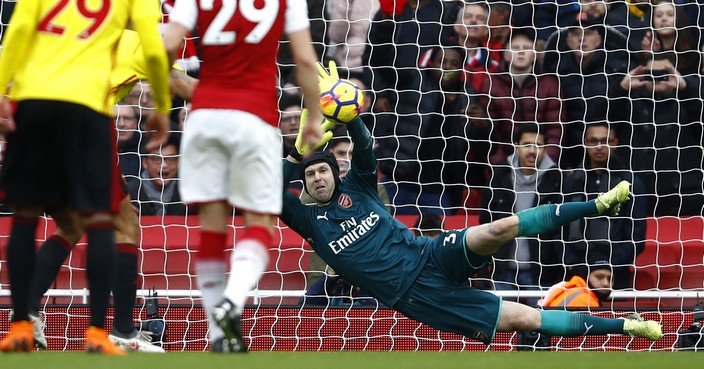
[
  {"x": 300, "y": 149},
  {"x": 326, "y": 78}
]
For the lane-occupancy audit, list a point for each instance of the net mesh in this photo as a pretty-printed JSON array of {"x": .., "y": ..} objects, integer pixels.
[{"x": 447, "y": 144}]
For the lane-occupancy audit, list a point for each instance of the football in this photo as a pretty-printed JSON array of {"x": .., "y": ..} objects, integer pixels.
[{"x": 342, "y": 101}]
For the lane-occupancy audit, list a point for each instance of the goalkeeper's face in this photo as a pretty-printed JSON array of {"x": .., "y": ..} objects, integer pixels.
[{"x": 320, "y": 182}]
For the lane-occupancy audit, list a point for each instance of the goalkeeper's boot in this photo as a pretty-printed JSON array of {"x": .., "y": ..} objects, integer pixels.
[
  {"x": 229, "y": 320},
  {"x": 635, "y": 326},
  {"x": 20, "y": 338},
  {"x": 138, "y": 341},
  {"x": 609, "y": 203},
  {"x": 38, "y": 323},
  {"x": 97, "y": 342}
]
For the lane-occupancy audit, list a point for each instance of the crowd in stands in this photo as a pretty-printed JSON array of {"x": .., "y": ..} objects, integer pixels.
[{"x": 493, "y": 107}]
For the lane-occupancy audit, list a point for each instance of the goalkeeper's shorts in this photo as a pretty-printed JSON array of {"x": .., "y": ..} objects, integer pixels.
[{"x": 441, "y": 297}]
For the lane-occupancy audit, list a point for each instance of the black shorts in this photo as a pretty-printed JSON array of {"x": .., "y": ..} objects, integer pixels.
[{"x": 61, "y": 155}]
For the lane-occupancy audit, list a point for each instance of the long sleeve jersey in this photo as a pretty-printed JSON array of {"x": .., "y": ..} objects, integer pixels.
[{"x": 354, "y": 233}]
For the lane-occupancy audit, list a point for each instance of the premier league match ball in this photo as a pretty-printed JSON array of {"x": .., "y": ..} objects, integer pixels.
[{"x": 342, "y": 101}]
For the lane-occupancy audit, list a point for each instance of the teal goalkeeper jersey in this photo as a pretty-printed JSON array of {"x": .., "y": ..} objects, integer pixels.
[{"x": 354, "y": 234}]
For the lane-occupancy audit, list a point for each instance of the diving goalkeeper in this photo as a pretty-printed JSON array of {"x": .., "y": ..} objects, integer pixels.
[{"x": 423, "y": 278}]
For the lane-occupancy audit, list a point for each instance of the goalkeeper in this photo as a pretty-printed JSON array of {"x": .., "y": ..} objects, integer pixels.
[
  {"x": 130, "y": 69},
  {"x": 423, "y": 278}
]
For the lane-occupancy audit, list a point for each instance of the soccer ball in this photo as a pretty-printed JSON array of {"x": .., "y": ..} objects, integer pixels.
[{"x": 342, "y": 101}]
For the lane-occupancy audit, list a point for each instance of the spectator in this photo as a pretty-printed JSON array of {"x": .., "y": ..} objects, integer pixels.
[
  {"x": 589, "y": 71},
  {"x": 499, "y": 27},
  {"x": 128, "y": 139},
  {"x": 156, "y": 192},
  {"x": 471, "y": 30},
  {"x": 399, "y": 41},
  {"x": 595, "y": 9},
  {"x": 672, "y": 35},
  {"x": 514, "y": 94},
  {"x": 667, "y": 146},
  {"x": 141, "y": 97},
  {"x": 620, "y": 238},
  {"x": 589, "y": 287},
  {"x": 348, "y": 27},
  {"x": 285, "y": 61},
  {"x": 632, "y": 19},
  {"x": 290, "y": 107},
  {"x": 431, "y": 130},
  {"x": 549, "y": 16},
  {"x": 529, "y": 178}
]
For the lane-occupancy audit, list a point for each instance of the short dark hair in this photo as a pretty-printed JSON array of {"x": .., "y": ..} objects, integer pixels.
[
  {"x": 174, "y": 139},
  {"x": 597, "y": 124},
  {"x": 528, "y": 127},
  {"x": 287, "y": 100},
  {"x": 338, "y": 140},
  {"x": 528, "y": 32}
]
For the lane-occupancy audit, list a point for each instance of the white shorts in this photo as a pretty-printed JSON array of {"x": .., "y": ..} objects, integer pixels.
[{"x": 231, "y": 155}]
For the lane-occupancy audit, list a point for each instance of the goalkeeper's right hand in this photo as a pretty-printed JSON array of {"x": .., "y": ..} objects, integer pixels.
[{"x": 303, "y": 148}]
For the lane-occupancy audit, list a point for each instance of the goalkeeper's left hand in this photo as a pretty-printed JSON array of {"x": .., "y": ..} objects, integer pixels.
[
  {"x": 303, "y": 148},
  {"x": 326, "y": 78}
]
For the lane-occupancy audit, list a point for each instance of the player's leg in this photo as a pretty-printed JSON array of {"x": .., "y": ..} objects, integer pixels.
[
  {"x": 203, "y": 168},
  {"x": 523, "y": 318},
  {"x": 485, "y": 239},
  {"x": 53, "y": 252},
  {"x": 256, "y": 186},
  {"x": 48, "y": 262},
  {"x": 124, "y": 289},
  {"x": 20, "y": 261},
  {"x": 93, "y": 192}
]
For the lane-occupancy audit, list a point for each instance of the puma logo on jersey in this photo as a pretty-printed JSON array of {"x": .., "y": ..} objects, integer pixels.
[
  {"x": 557, "y": 210},
  {"x": 324, "y": 216},
  {"x": 588, "y": 327}
]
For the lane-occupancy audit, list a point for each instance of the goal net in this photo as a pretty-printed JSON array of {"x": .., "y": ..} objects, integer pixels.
[{"x": 478, "y": 111}]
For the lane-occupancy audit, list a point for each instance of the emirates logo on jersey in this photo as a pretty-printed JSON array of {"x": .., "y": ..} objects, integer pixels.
[{"x": 344, "y": 201}]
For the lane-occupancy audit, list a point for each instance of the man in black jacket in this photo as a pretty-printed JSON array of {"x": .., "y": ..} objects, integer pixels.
[
  {"x": 156, "y": 191},
  {"x": 621, "y": 238},
  {"x": 529, "y": 178}
]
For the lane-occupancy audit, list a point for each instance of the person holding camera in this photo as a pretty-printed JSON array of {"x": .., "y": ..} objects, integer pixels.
[
  {"x": 665, "y": 138},
  {"x": 589, "y": 286}
]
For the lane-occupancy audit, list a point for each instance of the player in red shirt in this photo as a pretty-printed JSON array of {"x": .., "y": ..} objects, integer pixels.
[{"x": 231, "y": 148}]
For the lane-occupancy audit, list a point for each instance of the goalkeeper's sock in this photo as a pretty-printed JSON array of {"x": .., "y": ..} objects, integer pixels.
[
  {"x": 549, "y": 218},
  {"x": 210, "y": 268},
  {"x": 46, "y": 267},
  {"x": 568, "y": 324},
  {"x": 124, "y": 288},
  {"x": 100, "y": 266},
  {"x": 20, "y": 258},
  {"x": 247, "y": 264}
]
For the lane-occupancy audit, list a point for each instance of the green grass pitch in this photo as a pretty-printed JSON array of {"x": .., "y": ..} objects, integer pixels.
[{"x": 358, "y": 360}]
